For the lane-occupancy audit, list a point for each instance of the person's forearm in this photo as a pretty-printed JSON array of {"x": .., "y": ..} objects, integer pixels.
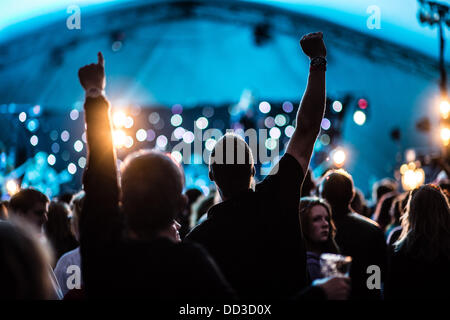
[
  {"x": 100, "y": 209},
  {"x": 312, "y": 107}
]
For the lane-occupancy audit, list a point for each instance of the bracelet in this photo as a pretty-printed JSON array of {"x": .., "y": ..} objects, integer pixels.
[
  {"x": 318, "y": 63},
  {"x": 94, "y": 92}
]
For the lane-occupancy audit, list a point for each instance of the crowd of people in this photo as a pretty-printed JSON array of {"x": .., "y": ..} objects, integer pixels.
[{"x": 136, "y": 232}]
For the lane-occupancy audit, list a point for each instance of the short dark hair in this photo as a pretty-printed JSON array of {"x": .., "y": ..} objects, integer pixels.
[
  {"x": 338, "y": 189},
  {"x": 26, "y": 199},
  {"x": 231, "y": 164},
  {"x": 152, "y": 185}
]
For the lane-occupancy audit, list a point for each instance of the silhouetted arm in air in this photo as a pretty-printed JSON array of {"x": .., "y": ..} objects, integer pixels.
[
  {"x": 312, "y": 107},
  {"x": 100, "y": 223}
]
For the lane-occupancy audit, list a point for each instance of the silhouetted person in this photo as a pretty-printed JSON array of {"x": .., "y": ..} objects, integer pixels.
[
  {"x": 356, "y": 235},
  {"x": 382, "y": 214},
  {"x": 24, "y": 263},
  {"x": 31, "y": 205},
  {"x": 379, "y": 189},
  {"x": 255, "y": 235},
  {"x": 134, "y": 251},
  {"x": 420, "y": 265},
  {"x": 58, "y": 230}
]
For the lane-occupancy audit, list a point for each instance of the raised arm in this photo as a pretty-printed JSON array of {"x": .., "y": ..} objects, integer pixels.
[
  {"x": 312, "y": 107},
  {"x": 100, "y": 222}
]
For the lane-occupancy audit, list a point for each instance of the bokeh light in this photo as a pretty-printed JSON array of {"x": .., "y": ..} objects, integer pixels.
[
  {"x": 78, "y": 146},
  {"x": 22, "y": 117},
  {"x": 275, "y": 133},
  {"x": 202, "y": 123},
  {"x": 176, "y": 120},
  {"x": 326, "y": 124},
  {"x": 280, "y": 120},
  {"x": 82, "y": 162},
  {"x": 337, "y": 106},
  {"x": 289, "y": 131},
  {"x": 34, "y": 140},
  {"x": 119, "y": 138},
  {"x": 161, "y": 141},
  {"x": 51, "y": 159},
  {"x": 359, "y": 117},
  {"x": 74, "y": 114},
  {"x": 141, "y": 135},
  {"x": 72, "y": 168},
  {"x": 188, "y": 137},
  {"x": 288, "y": 106},
  {"x": 65, "y": 136},
  {"x": 264, "y": 107}
]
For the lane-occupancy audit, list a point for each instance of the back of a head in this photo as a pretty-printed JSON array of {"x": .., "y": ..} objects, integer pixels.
[
  {"x": 382, "y": 187},
  {"x": 24, "y": 263},
  {"x": 25, "y": 200},
  {"x": 337, "y": 188},
  {"x": 152, "y": 186},
  {"x": 57, "y": 227},
  {"x": 231, "y": 164},
  {"x": 426, "y": 223}
]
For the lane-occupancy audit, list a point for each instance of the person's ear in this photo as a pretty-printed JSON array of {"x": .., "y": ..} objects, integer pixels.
[{"x": 211, "y": 175}]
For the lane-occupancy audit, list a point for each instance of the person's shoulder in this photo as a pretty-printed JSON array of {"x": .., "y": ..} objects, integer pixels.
[
  {"x": 364, "y": 222},
  {"x": 68, "y": 258}
]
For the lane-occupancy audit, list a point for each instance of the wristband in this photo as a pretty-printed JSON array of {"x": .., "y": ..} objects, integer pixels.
[
  {"x": 94, "y": 92},
  {"x": 318, "y": 63}
]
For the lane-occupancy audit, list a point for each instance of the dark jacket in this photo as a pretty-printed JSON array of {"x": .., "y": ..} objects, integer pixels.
[
  {"x": 114, "y": 267},
  {"x": 415, "y": 278},
  {"x": 362, "y": 239}
]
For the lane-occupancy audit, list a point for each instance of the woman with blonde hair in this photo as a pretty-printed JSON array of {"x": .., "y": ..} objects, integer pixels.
[{"x": 420, "y": 264}]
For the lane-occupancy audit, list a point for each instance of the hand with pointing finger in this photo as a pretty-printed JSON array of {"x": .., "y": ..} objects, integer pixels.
[{"x": 92, "y": 76}]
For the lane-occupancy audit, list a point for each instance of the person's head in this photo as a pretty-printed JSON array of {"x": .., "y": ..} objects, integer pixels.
[
  {"x": 76, "y": 205},
  {"x": 317, "y": 225},
  {"x": 337, "y": 188},
  {"x": 358, "y": 203},
  {"x": 24, "y": 262},
  {"x": 382, "y": 213},
  {"x": 231, "y": 165},
  {"x": 398, "y": 207},
  {"x": 57, "y": 228},
  {"x": 382, "y": 187},
  {"x": 30, "y": 204},
  {"x": 426, "y": 224},
  {"x": 152, "y": 186}
]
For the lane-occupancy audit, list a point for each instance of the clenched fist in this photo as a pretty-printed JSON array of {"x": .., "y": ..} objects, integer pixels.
[
  {"x": 92, "y": 76},
  {"x": 313, "y": 46}
]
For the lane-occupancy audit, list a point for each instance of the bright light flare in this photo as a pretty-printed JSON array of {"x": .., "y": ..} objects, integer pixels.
[
  {"x": 119, "y": 119},
  {"x": 359, "y": 117},
  {"x": 445, "y": 136},
  {"x": 119, "y": 138},
  {"x": 444, "y": 108},
  {"x": 339, "y": 157},
  {"x": 12, "y": 187},
  {"x": 412, "y": 179}
]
